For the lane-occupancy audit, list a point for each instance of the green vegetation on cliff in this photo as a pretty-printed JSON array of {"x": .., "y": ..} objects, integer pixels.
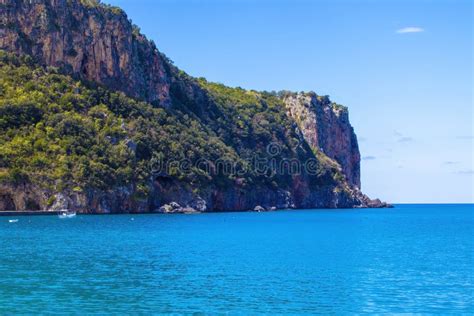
[
  {"x": 57, "y": 132},
  {"x": 64, "y": 134}
]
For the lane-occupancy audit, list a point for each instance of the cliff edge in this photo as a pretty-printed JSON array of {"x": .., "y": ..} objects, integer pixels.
[{"x": 95, "y": 119}]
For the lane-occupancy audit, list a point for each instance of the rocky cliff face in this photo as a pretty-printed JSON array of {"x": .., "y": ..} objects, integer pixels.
[
  {"x": 92, "y": 41},
  {"x": 95, "y": 42},
  {"x": 325, "y": 126}
]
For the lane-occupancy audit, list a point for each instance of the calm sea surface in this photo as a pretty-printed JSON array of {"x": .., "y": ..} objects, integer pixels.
[{"x": 413, "y": 258}]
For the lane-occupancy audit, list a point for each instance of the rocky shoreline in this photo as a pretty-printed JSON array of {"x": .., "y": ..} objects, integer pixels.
[
  {"x": 28, "y": 198},
  {"x": 168, "y": 209}
]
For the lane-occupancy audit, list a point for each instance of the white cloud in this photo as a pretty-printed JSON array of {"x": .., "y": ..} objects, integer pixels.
[
  {"x": 401, "y": 138},
  {"x": 468, "y": 171},
  {"x": 405, "y": 139},
  {"x": 449, "y": 162},
  {"x": 410, "y": 29}
]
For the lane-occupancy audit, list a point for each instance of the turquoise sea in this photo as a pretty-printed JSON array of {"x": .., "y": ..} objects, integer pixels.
[{"x": 412, "y": 258}]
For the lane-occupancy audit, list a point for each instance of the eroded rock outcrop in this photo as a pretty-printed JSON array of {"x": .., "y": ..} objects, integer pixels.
[
  {"x": 92, "y": 41},
  {"x": 22, "y": 197},
  {"x": 325, "y": 126}
]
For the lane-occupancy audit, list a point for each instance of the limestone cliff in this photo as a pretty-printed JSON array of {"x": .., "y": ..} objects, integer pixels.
[
  {"x": 92, "y": 41},
  {"x": 106, "y": 68},
  {"x": 325, "y": 126}
]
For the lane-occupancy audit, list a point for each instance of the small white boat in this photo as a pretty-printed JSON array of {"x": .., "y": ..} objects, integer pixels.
[
  {"x": 13, "y": 221},
  {"x": 66, "y": 214}
]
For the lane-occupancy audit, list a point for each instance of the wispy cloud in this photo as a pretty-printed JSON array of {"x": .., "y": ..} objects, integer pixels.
[
  {"x": 469, "y": 137},
  {"x": 369, "y": 158},
  {"x": 469, "y": 171},
  {"x": 450, "y": 162},
  {"x": 405, "y": 139},
  {"x": 402, "y": 138},
  {"x": 410, "y": 29}
]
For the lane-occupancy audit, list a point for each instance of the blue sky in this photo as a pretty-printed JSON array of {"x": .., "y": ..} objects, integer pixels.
[{"x": 404, "y": 69}]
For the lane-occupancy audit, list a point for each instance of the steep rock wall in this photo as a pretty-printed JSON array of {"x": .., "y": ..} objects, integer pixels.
[
  {"x": 94, "y": 42},
  {"x": 326, "y": 127}
]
